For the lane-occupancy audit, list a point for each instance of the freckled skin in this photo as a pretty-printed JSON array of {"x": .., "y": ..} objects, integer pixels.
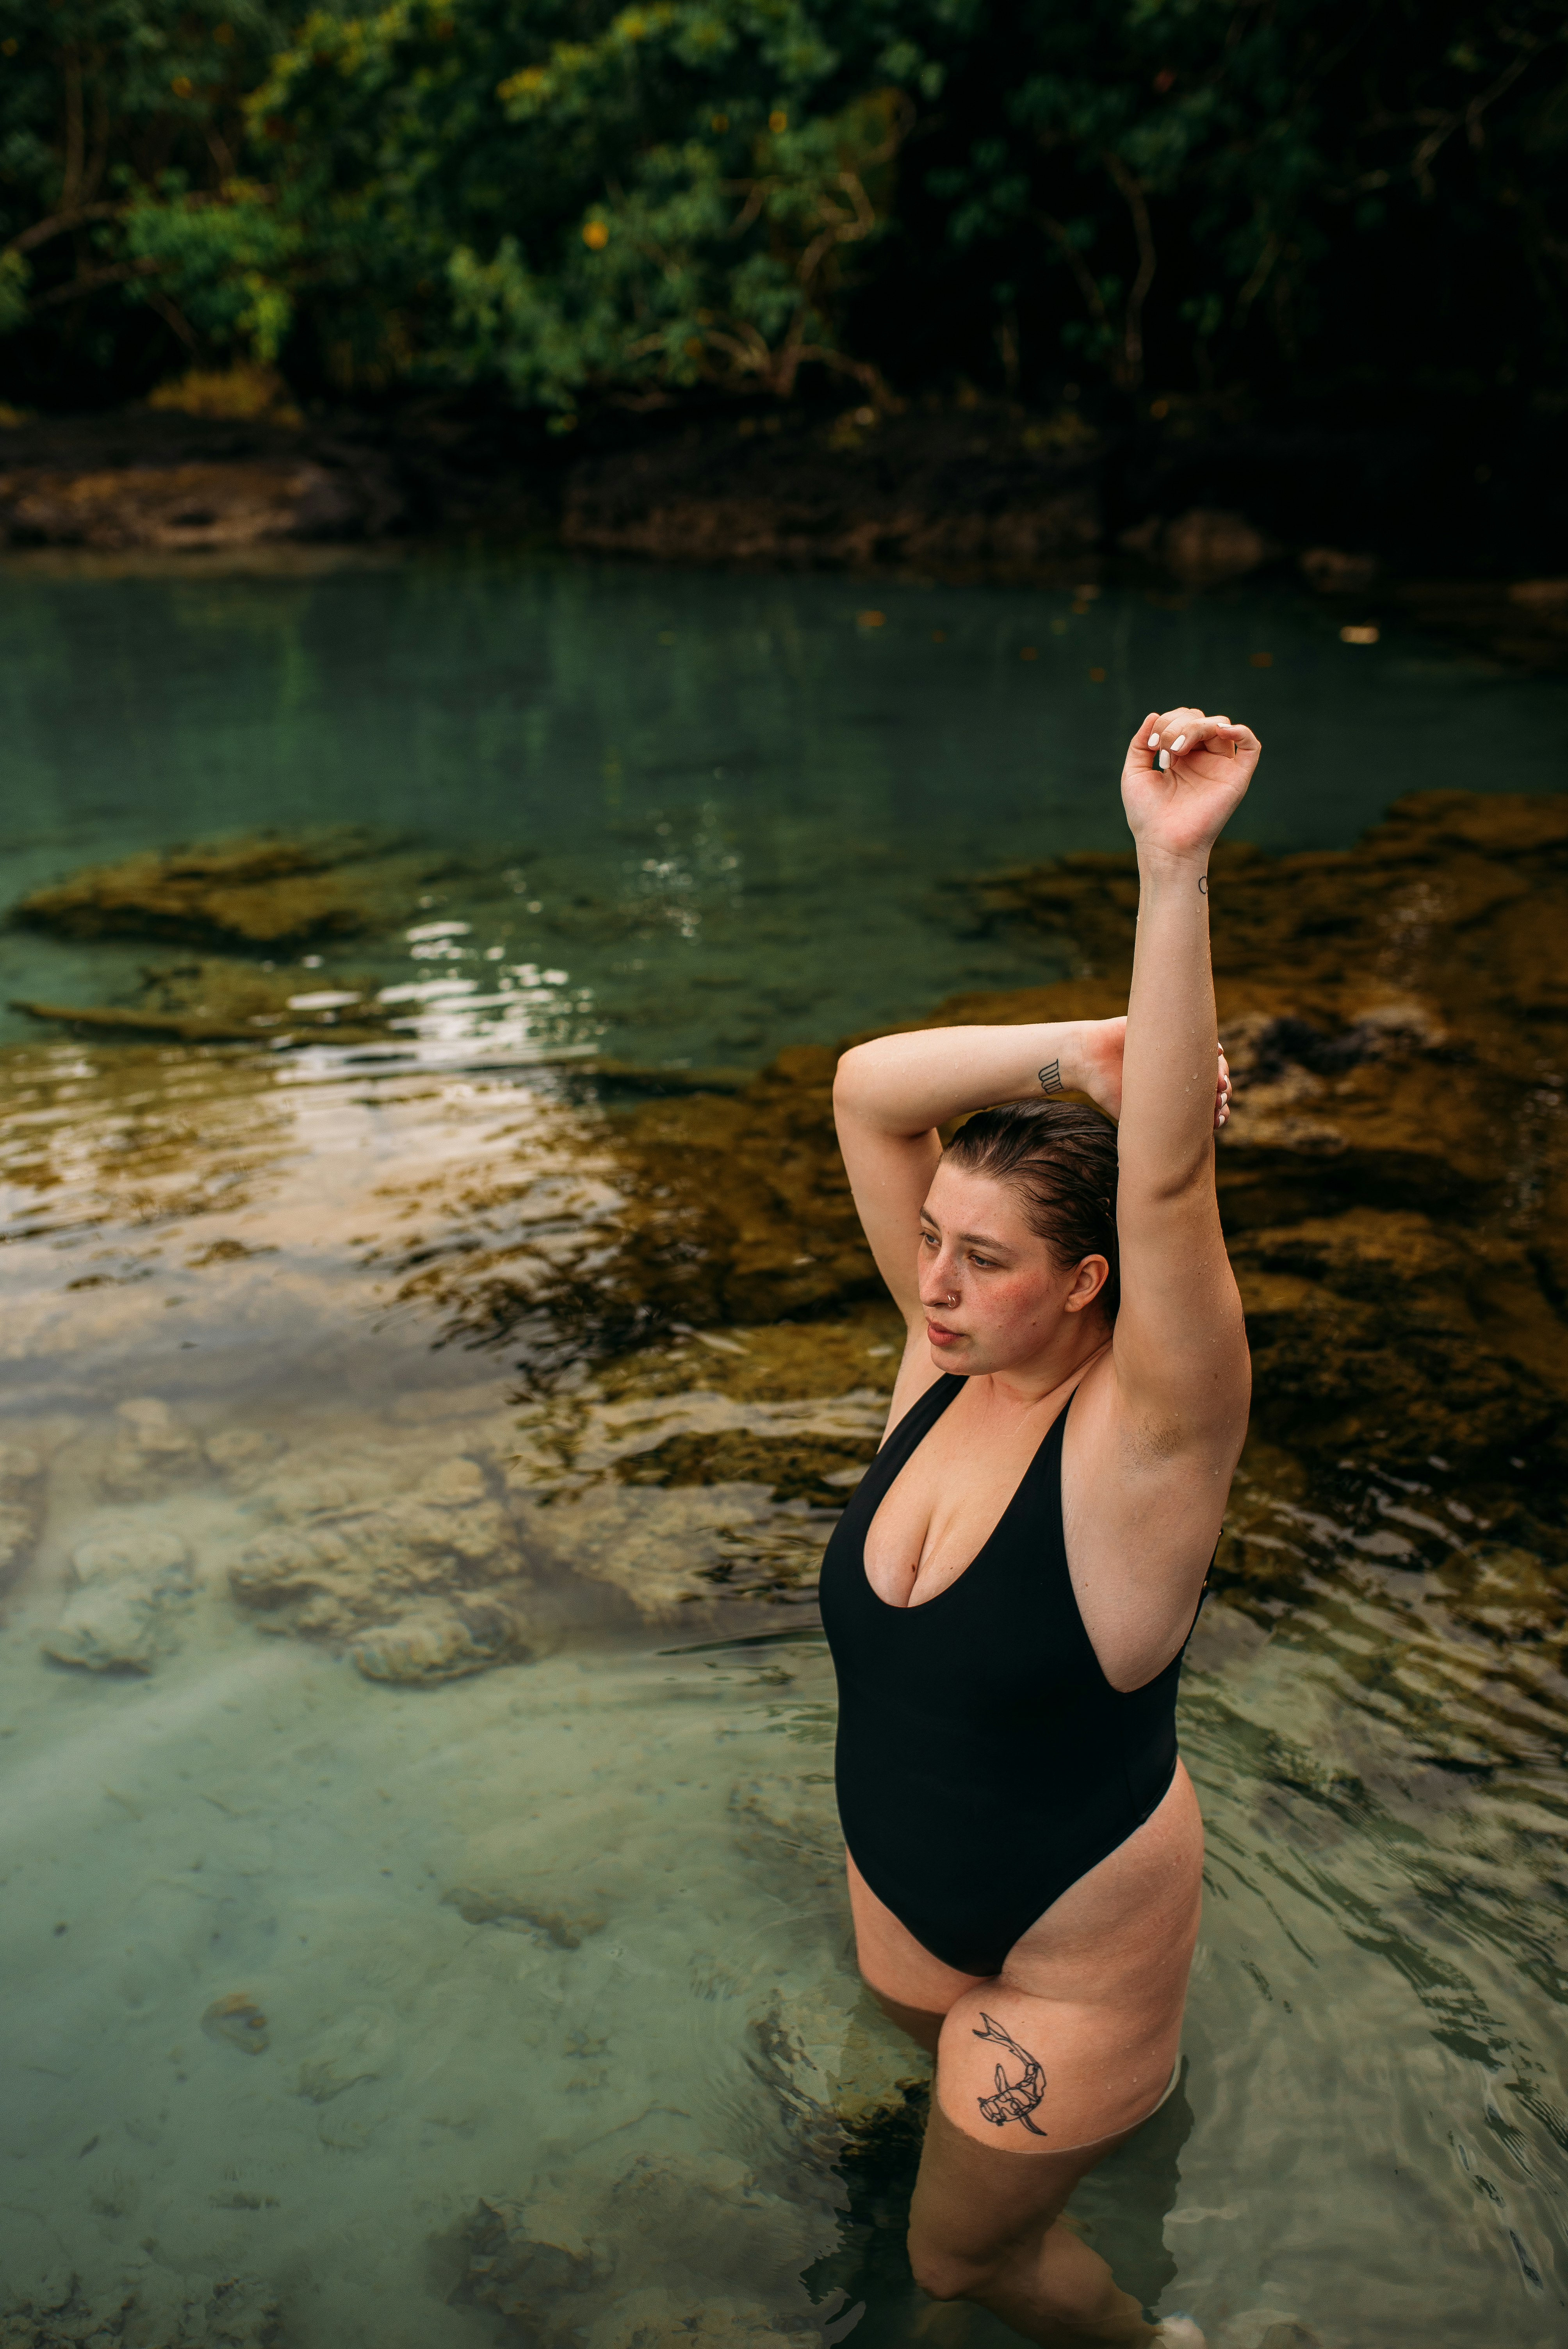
[{"x": 996, "y": 1310}]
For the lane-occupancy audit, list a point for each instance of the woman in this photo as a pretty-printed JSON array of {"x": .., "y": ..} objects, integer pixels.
[{"x": 1008, "y": 1595}]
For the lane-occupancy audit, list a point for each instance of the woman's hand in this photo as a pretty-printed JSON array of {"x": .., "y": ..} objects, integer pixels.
[
  {"x": 1184, "y": 777},
  {"x": 1098, "y": 1073}
]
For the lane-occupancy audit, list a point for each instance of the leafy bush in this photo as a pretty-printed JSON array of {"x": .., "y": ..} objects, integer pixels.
[{"x": 570, "y": 200}]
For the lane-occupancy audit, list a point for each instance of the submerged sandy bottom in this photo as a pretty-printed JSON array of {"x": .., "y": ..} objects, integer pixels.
[{"x": 524, "y": 1999}]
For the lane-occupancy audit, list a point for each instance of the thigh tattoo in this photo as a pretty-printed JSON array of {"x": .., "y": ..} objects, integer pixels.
[{"x": 1014, "y": 2100}]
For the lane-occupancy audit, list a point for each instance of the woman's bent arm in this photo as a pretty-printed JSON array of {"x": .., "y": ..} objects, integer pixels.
[
  {"x": 890, "y": 1097},
  {"x": 1179, "y": 1355}
]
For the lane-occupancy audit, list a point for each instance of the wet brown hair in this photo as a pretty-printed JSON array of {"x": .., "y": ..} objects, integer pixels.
[{"x": 1061, "y": 1161}]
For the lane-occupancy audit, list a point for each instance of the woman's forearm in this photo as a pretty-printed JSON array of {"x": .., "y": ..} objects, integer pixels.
[
  {"x": 907, "y": 1084},
  {"x": 1165, "y": 1138}
]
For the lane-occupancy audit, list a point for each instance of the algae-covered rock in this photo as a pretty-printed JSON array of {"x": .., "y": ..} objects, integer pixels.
[
  {"x": 220, "y": 1001},
  {"x": 1506, "y": 1593},
  {"x": 1394, "y": 1176},
  {"x": 1456, "y": 897},
  {"x": 726, "y": 1209},
  {"x": 259, "y": 890},
  {"x": 820, "y": 1469}
]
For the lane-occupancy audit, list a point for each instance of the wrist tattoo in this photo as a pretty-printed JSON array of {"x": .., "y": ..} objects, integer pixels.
[
  {"x": 1051, "y": 1078},
  {"x": 1202, "y": 884}
]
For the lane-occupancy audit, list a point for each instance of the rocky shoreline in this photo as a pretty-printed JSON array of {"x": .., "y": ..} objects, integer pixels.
[{"x": 1377, "y": 521}]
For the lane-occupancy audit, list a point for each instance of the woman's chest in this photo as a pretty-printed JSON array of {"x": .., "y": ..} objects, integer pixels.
[{"x": 943, "y": 1507}]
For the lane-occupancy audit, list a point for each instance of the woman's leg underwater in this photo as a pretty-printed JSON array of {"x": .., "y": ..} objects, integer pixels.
[
  {"x": 1043, "y": 2071},
  {"x": 985, "y": 2225}
]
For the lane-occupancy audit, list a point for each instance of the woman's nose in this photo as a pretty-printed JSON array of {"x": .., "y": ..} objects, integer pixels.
[{"x": 941, "y": 1278}]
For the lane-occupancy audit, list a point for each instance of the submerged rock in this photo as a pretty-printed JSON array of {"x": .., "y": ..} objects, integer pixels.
[
  {"x": 428, "y": 1585},
  {"x": 153, "y": 1448},
  {"x": 258, "y": 890},
  {"x": 564, "y": 1928},
  {"x": 243, "y": 1454},
  {"x": 832, "y": 2063},
  {"x": 129, "y": 1578},
  {"x": 821, "y": 1469},
  {"x": 442, "y": 1643},
  {"x": 21, "y": 1506},
  {"x": 238, "y": 2312},
  {"x": 238, "y": 2021},
  {"x": 678, "y": 2248},
  {"x": 216, "y": 1001}
]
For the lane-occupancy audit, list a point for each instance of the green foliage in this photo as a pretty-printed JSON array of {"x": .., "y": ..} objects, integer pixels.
[
  {"x": 679, "y": 196},
  {"x": 574, "y": 200},
  {"x": 100, "y": 99}
]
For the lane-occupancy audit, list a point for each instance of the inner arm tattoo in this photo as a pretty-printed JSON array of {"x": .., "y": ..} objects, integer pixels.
[
  {"x": 1051, "y": 1078},
  {"x": 1015, "y": 2100}
]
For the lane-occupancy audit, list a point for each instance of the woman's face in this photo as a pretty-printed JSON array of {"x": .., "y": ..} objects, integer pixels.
[{"x": 995, "y": 1294}]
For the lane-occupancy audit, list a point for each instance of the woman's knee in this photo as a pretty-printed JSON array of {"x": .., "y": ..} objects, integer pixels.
[{"x": 941, "y": 2270}]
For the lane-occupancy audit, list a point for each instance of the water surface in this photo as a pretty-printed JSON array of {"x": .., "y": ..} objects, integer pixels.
[{"x": 551, "y": 1961}]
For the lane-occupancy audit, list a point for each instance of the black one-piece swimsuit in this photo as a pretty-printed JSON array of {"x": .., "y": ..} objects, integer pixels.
[{"x": 985, "y": 1762}]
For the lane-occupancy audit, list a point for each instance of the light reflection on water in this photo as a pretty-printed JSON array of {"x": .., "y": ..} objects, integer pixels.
[{"x": 554, "y": 1959}]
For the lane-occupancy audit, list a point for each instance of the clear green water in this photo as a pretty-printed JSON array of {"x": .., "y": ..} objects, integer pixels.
[
  {"x": 568, "y": 1938},
  {"x": 709, "y": 816}
]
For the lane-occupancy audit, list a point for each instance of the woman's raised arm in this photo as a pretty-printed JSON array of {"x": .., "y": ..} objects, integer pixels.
[{"x": 1181, "y": 1352}]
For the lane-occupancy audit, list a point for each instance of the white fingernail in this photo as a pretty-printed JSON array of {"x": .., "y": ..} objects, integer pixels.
[
  {"x": 1178, "y": 743},
  {"x": 1154, "y": 741},
  {"x": 1165, "y": 758}
]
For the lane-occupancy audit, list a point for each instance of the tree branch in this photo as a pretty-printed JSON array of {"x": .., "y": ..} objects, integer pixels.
[
  {"x": 42, "y": 231},
  {"x": 1087, "y": 286},
  {"x": 1132, "y": 333},
  {"x": 79, "y": 287}
]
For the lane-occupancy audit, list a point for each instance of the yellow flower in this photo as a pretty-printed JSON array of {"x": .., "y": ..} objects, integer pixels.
[
  {"x": 596, "y": 235},
  {"x": 778, "y": 120},
  {"x": 720, "y": 122},
  {"x": 182, "y": 86}
]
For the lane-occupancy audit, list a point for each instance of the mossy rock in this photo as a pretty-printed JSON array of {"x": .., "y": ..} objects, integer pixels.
[
  {"x": 819, "y": 1469},
  {"x": 257, "y": 891},
  {"x": 219, "y": 1001}
]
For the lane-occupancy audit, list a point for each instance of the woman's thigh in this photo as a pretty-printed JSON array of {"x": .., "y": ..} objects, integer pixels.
[
  {"x": 1076, "y": 2039},
  {"x": 899, "y": 1969}
]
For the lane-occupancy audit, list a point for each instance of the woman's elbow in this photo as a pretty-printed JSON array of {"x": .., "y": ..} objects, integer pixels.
[{"x": 853, "y": 1078}]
